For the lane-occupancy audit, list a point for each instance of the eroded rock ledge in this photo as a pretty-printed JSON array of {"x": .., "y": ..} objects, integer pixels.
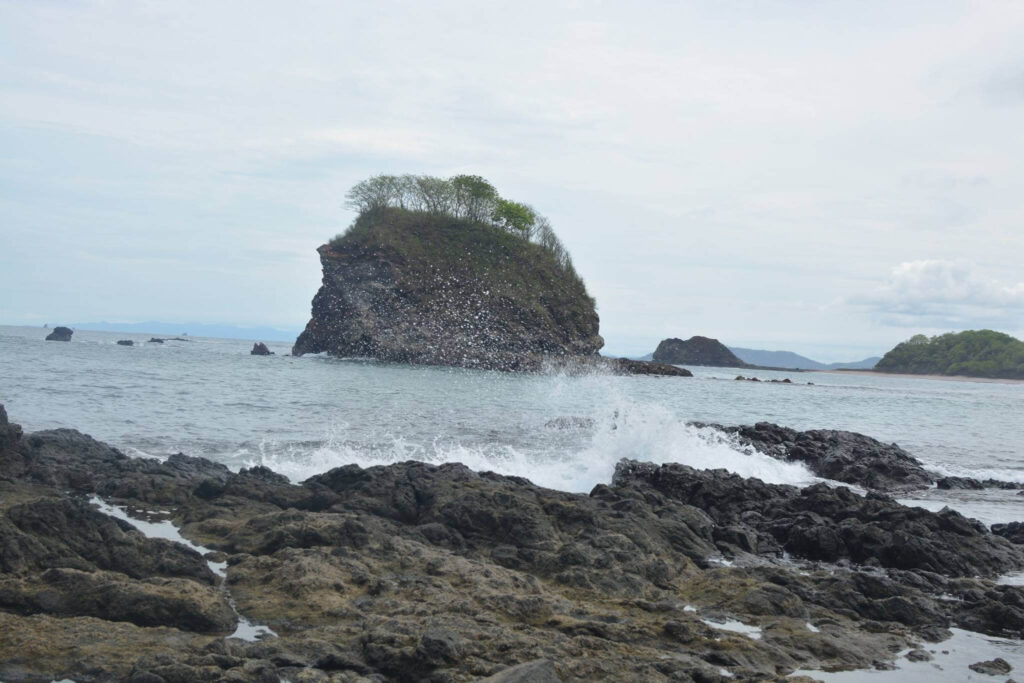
[{"x": 439, "y": 573}]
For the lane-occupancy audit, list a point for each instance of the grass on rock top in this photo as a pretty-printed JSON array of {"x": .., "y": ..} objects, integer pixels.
[{"x": 426, "y": 244}]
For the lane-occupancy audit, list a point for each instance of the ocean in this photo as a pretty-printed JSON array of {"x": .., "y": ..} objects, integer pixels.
[{"x": 302, "y": 416}]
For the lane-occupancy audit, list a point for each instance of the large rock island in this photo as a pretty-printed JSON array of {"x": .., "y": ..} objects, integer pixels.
[{"x": 446, "y": 272}]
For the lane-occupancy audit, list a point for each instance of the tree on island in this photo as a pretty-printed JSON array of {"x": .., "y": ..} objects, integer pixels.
[
  {"x": 467, "y": 197},
  {"x": 975, "y": 353}
]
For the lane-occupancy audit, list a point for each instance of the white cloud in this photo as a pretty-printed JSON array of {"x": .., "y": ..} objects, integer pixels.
[{"x": 939, "y": 293}]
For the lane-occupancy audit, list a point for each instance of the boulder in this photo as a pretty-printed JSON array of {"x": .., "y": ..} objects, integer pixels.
[
  {"x": 125, "y": 342},
  {"x": 60, "y": 334},
  {"x": 260, "y": 349}
]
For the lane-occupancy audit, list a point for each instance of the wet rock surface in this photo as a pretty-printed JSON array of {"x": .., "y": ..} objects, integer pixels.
[
  {"x": 843, "y": 456},
  {"x": 439, "y": 573}
]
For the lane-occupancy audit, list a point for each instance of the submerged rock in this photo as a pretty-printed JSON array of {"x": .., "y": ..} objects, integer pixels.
[
  {"x": 60, "y": 334},
  {"x": 260, "y": 349}
]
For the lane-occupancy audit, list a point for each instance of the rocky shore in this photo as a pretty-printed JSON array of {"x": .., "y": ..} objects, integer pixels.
[{"x": 415, "y": 572}]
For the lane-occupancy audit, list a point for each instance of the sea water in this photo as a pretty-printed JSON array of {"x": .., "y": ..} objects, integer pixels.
[{"x": 304, "y": 415}]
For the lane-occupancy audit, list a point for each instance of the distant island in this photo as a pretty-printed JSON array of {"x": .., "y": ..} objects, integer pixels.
[
  {"x": 447, "y": 272},
  {"x": 973, "y": 353},
  {"x": 696, "y": 351}
]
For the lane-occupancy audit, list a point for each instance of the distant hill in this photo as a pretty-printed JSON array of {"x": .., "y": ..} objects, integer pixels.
[
  {"x": 194, "y": 329},
  {"x": 788, "y": 359},
  {"x": 696, "y": 351},
  {"x": 974, "y": 353}
]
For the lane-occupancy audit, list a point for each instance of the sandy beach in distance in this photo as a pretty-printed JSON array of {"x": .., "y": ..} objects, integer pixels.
[{"x": 948, "y": 378}]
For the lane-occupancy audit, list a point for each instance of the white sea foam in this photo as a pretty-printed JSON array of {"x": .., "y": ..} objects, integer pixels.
[
  {"x": 648, "y": 433},
  {"x": 734, "y": 626}
]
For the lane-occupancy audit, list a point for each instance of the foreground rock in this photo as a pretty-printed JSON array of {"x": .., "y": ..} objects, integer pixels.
[
  {"x": 439, "y": 573},
  {"x": 60, "y": 334},
  {"x": 834, "y": 454}
]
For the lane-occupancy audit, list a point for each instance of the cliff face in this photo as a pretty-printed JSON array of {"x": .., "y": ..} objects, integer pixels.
[
  {"x": 420, "y": 288},
  {"x": 696, "y": 351}
]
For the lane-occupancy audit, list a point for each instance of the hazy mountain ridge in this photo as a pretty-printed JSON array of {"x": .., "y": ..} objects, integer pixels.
[{"x": 789, "y": 359}]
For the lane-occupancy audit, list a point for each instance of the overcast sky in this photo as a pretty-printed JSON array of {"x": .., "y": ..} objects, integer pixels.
[{"x": 827, "y": 178}]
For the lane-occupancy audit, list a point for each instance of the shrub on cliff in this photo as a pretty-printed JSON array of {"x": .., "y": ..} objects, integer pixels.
[{"x": 975, "y": 353}]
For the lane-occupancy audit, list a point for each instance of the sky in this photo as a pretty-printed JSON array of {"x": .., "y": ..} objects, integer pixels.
[{"x": 825, "y": 178}]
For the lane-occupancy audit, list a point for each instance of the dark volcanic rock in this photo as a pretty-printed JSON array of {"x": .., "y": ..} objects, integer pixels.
[
  {"x": 822, "y": 523},
  {"x": 697, "y": 351},
  {"x": 60, "y": 334},
  {"x": 948, "y": 483},
  {"x": 260, "y": 349},
  {"x": 1014, "y": 531},
  {"x": 626, "y": 366},
  {"x": 68, "y": 533},
  {"x": 418, "y": 288},
  {"x": 840, "y": 455},
  {"x": 156, "y": 340},
  {"x": 438, "y": 573},
  {"x": 125, "y": 342}
]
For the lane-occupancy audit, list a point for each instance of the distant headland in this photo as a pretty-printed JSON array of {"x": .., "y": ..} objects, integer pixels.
[{"x": 972, "y": 353}]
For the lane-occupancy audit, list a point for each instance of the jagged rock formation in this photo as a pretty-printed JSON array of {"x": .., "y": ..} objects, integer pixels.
[
  {"x": 844, "y": 456},
  {"x": 260, "y": 349},
  {"x": 697, "y": 351},
  {"x": 60, "y": 334},
  {"x": 421, "y": 572},
  {"x": 421, "y": 288}
]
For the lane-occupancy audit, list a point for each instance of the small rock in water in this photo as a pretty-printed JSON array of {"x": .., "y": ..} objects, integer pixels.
[
  {"x": 156, "y": 340},
  {"x": 125, "y": 342},
  {"x": 993, "y": 667},
  {"x": 260, "y": 349},
  {"x": 60, "y": 334},
  {"x": 919, "y": 656}
]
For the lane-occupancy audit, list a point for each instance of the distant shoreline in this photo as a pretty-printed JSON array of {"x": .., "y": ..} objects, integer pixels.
[{"x": 949, "y": 378}]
